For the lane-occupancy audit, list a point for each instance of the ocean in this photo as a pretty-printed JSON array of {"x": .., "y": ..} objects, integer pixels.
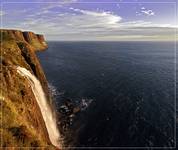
[{"x": 113, "y": 94}]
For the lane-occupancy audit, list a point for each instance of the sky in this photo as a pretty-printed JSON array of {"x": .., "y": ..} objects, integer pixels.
[{"x": 93, "y": 20}]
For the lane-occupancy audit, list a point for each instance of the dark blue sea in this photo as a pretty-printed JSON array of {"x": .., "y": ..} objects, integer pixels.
[{"x": 113, "y": 94}]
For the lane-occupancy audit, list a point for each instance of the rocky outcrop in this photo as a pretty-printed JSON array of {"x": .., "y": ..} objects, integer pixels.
[
  {"x": 35, "y": 40},
  {"x": 22, "y": 124}
]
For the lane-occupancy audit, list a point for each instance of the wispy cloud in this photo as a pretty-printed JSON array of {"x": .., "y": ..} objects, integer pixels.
[
  {"x": 100, "y": 19},
  {"x": 143, "y": 24},
  {"x": 80, "y": 24},
  {"x": 148, "y": 12},
  {"x": 145, "y": 12},
  {"x": 63, "y": 21}
]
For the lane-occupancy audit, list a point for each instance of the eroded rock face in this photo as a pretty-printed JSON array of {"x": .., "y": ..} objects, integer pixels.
[
  {"x": 22, "y": 121},
  {"x": 37, "y": 41},
  {"x": 42, "y": 40}
]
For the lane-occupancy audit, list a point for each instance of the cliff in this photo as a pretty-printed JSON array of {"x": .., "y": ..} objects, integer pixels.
[
  {"x": 37, "y": 41},
  {"x": 22, "y": 124}
]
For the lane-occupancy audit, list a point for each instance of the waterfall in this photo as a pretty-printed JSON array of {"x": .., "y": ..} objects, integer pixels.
[{"x": 46, "y": 111}]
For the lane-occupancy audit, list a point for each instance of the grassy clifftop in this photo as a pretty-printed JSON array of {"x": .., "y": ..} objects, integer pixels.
[
  {"x": 36, "y": 40},
  {"x": 22, "y": 124}
]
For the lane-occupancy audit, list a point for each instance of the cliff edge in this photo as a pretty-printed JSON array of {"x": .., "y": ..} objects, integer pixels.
[{"x": 22, "y": 124}]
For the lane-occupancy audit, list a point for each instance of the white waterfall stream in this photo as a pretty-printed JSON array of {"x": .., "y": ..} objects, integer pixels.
[{"x": 50, "y": 120}]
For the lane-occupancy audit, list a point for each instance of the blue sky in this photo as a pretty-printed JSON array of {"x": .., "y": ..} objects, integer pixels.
[{"x": 103, "y": 20}]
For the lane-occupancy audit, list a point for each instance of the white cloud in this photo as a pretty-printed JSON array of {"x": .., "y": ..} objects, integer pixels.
[
  {"x": 80, "y": 24},
  {"x": 102, "y": 18},
  {"x": 75, "y": 22},
  {"x": 145, "y": 11},
  {"x": 142, "y": 23},
  {"x": 148, "y": 12}
]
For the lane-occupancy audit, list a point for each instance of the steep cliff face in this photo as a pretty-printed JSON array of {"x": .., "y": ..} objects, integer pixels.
[
  {"x": 22, "y": 124},
  {"x": 36, "y": 40}
]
